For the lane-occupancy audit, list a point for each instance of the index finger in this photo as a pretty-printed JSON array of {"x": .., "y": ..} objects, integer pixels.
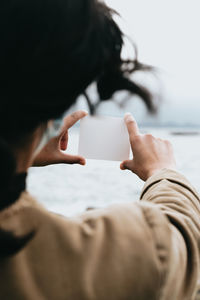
[
  {"x": 132, "y": 126},
  {"x": 70, "y": 120}
]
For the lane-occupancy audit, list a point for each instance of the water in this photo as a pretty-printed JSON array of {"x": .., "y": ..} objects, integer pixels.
[{"x": 70, "y": 189}]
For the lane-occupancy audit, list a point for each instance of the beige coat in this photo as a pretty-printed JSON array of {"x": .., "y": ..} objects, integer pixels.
[{"x": 136, "y": 251}]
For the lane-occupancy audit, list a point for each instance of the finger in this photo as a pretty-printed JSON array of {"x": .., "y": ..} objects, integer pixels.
[
  {"x": 64, "y": 141},
  {"x": 131, "y": 124},
  {"x": 127, "y": 165},
  {"x": 72, "y": 159},
  {"x": 70, "y": 120}
]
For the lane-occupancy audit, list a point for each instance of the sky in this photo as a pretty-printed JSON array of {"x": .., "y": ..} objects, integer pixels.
[{"x": 166, "y": 33}]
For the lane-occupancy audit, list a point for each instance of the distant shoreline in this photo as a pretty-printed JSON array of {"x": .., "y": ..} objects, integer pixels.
[{"x": 185, "y": 133}]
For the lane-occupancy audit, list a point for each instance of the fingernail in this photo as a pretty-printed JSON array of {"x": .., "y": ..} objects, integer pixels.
[
  {"x": 128, "y": 114},
  {"x": 128, "y": 117},
  {"x": 85, "y": 111}
]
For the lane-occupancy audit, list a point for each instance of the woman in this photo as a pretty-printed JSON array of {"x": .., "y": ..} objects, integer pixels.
[{"x": 50, "y": 52}]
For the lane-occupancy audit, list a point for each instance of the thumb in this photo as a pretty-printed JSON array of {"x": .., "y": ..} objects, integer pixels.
[
  {"x": 127, "y": 165},
  {"x": 72, "y": 159}
]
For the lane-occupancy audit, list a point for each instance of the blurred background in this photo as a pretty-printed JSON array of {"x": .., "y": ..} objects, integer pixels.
[
  {"x": 167, "y": 37},
  {"x": 166, "y": 34}
]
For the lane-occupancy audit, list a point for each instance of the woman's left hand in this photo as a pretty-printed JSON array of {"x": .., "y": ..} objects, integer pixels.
[{"x": 53, "y": 151}]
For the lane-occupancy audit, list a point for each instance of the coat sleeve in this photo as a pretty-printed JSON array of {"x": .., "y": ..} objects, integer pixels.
[
  {"x": 138, "y": 251},
  {"x": 174, "y": 196}
]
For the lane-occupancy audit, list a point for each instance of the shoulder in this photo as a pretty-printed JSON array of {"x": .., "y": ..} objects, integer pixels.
[
  {"x": 115, "y": 246},
  {"x": 127, "y": 218}
]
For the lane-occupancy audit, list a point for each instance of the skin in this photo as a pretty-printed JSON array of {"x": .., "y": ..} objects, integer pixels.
[
  {"x": 53, "y": 152},
  {"x": 150, "y": 154}
]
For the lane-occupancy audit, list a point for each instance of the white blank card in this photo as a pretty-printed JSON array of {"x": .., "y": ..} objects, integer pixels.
[{"x": 104, "y": 138}]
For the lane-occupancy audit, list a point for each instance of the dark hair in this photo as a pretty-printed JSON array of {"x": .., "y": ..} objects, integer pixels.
[{"x": 50, "y": 52}]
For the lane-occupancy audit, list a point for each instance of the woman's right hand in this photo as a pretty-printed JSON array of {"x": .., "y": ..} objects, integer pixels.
[{"x": 150, "y": 154}]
